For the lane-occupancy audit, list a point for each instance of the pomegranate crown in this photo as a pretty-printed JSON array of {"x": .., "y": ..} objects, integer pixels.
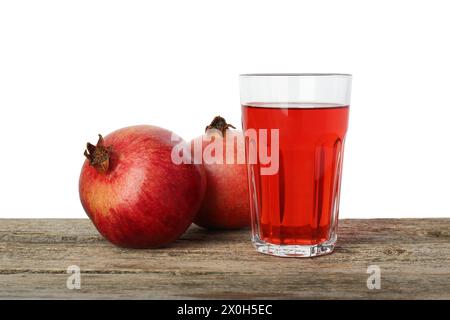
[
  {"x": 98, "y": 155},
  {"x": 220, "y": 124}
]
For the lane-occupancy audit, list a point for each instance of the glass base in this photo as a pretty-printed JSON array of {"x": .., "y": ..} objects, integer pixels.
[{"x": 295, "y": 251}]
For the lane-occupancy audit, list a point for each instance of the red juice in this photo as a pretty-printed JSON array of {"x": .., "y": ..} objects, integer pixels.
[{"x": 299, "y": 205}]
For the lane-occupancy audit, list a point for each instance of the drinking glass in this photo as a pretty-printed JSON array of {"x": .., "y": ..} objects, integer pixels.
[{"x": 295, "y": 127}]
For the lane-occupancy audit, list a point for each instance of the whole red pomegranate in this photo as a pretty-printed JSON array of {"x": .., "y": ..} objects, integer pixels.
[
  {"x": 133, "y": 192},
  {"x": 226, "y": 202}
]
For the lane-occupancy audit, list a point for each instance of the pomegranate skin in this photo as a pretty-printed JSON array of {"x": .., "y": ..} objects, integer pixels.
[
  {"x": 143, "y": 200},
  {"x": 226, "y": 202}
]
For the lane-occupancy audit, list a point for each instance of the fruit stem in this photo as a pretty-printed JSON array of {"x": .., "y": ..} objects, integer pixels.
[
  {"x": 220, "y": 124},
  {"x": 98, "y": 155}
]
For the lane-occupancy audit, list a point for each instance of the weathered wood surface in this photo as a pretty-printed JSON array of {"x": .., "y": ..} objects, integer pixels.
[{"x": 413, "y": 255}]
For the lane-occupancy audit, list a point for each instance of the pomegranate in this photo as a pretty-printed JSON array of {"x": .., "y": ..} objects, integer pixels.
[
  {"x": 133, "y": 192},
  {"x": 226, "y": 203}
]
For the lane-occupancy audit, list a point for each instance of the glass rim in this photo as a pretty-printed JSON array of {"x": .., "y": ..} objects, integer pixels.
[{"x": 299, "y": 75}]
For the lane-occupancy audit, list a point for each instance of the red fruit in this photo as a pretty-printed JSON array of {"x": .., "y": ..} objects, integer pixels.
[
  {"x": 226, "y": 202},
  {"x": 133, "y": 192}
]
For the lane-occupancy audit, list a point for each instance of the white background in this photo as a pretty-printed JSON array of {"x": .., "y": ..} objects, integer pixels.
[{"x": 72, "y": 69}]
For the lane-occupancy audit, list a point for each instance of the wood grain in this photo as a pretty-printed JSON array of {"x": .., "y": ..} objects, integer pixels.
[{"x": 413, "y": 254}]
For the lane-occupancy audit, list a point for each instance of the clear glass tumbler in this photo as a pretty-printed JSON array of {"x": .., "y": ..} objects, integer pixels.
[{"x": 295, "y": 127}]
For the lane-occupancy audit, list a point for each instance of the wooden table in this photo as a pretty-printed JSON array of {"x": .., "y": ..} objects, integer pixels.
[{"x": 412, "y": 254}]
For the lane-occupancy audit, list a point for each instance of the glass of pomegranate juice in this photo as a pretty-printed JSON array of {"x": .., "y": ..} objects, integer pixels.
[{"x": 295, "y": 127}]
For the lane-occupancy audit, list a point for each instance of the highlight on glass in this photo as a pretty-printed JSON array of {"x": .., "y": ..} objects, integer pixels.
[{"x": 295, "y": 209}]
